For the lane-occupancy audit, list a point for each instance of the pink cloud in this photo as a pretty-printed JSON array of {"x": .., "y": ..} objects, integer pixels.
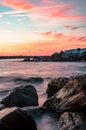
[
  {"x": 63, "y": 37},
  {"x": 64, "y": 15},
  {"x": 53, "y": 35},
  {"x": 67, "y": 26},
  {"x": 72, "y": 38},
  {"x": 45, "y": 34},
  {"x": 82, "y": 39},
  {"x": 55, "y": 10},
  {"x": 18, "y": 4},
  {"x": 58, "y": 35},
  {"x": 66, "y": 11},
  {"x": 49, "y": 2},
  {"x": 74, "y": 27},
  {"x": 77, "y": 39}
]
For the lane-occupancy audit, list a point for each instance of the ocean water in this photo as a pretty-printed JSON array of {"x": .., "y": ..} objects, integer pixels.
[{"x": 11, "y": 69}]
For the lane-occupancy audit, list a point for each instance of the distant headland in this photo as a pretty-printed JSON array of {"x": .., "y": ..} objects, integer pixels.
[{"x": 78, "y": 54}]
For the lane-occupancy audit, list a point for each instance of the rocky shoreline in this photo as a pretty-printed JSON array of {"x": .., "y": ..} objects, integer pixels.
[
  {"x": 66, "y": 97},
  {"x": 68, "y": 55}
]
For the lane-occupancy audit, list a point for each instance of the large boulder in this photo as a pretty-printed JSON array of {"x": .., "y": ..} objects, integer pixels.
[
  {"x": 21, "y": 96},
  {"x": 15, "y": 118},
  {"x": 55, "y": 85},
  {"x": 72, "y": 121},
  {"x": 72, "y": 97}
]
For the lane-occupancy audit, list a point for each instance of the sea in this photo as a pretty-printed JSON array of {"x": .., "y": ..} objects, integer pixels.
[{"x": 11, "y": 69}]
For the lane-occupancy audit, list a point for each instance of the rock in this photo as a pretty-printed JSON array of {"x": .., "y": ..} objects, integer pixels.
[
  {"x": 55, "y": 57},
  {"x": 80, "y": 127},
  {"x": 77, "y": 54},
  {"x": 72, "y": 97},
  {"x": 30, "y": 80},
  {"x": 55, "y": 85},
  {"x": 21, "y": 96},
  {"x": 35, "y": 79},
  {"x": 2, "y": 106},
  {"x": 15, "y": 118},
  {"x": 72, "y": 121}
]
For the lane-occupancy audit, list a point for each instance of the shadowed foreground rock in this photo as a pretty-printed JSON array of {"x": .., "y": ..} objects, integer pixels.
[
  {"x": 72, "y": 121},
  {"x": 20, "y": 97},
  {"x": 15, "y": 118},
  {"x": 55, "y": 85},
  {"x": 72, "y": 97}
]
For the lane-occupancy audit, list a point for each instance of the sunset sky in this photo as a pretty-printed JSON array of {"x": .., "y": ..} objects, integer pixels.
[{"x": 41, "y": 27}]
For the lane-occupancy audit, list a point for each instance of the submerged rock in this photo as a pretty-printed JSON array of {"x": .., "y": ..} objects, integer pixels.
[
  {"x": 72, "y": 97},
  {"x": 21, "y": 96},
  {"x": 15, "y": 118},
  {"x": 55, "y": 85},
  {"x": 30, "y": 80},
  {"x": 72, "y": 121}
]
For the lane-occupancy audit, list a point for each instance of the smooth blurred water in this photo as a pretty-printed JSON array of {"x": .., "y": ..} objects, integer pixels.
[{"x": 15, "y": 68}]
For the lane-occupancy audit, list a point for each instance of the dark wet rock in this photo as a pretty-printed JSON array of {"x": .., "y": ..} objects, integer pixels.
[
  {"x": 35, "y": 79},
  {"x": 72, "y": 121},
  {"x": 21, "y": 96},
  {"x": 55, "y": 85},
  {"x": 15, "y": 118},
  {"x": 2, "y": 106},
  {"x": 72, "y": 97},
  {"x": 30, "y": 80},
  {"x": 80, "y": 127}
]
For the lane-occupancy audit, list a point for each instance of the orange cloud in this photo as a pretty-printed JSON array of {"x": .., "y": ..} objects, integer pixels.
[
  {"x": 82, "y": 39},
  {"x": 77, "y": 39},
  {"x": 42, "y": 47},
  {"x": 58, "y": 35},
  {"x": 53, "y": 35},
  {"x": 18, "y": 4}
]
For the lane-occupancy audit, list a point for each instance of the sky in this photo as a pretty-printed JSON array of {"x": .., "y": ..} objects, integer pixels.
[{"x": 41, "y": 27}]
